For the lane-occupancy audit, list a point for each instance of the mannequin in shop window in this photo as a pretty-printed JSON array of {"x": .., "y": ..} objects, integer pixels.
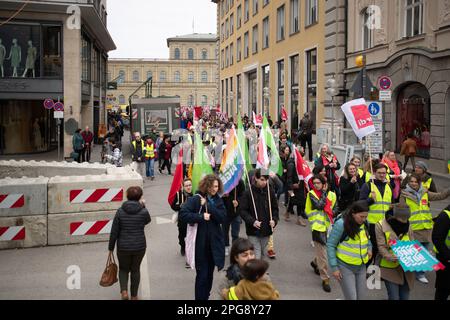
[
  {"x": 2, "y": 58},
  {"x": 15, "y": 56},
  {"x": 31, "y": 59}
]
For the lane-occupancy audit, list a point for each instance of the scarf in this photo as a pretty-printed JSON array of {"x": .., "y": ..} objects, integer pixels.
[
  {"x": 398, "y": 227},
  {"x": 393, "y": 165},
  {"x": 327, "y": 209},
  {"x": 417, "y": 194},
  {"x": 234, "y": 273}
]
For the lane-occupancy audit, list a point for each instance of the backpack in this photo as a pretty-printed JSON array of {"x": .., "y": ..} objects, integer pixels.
[{"x": 344, "y": 235}]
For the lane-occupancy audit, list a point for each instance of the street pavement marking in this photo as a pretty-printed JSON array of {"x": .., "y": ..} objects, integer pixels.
[
  {"x": 160, "y": 220},
  {"x": 144, "y": 287}
]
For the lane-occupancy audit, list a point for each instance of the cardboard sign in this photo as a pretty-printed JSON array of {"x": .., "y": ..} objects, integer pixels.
[{"x": 414, "y": 257}]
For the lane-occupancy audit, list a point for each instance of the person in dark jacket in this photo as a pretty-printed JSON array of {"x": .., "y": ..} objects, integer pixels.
[
  {"x": 441, "y": 241},
  {"x": 128, "y": 231},
  {"x": 297, "y": 192},
  {"x": 138, "y": 154},
  {"x": 327, "y": 159},
  {"x": 231, "y": 202},
  {"x": 259, "y": 225},
  {"x": 349, "y": 184},
  {"x": 285, "y": 153},
  {"x": 305, "y": 136},
  {"x": 78, "y": 144},
  {"x": 88, "y": 137},
  {"x": 164, "y": 152},
  {"x": 181, "y": 198},
  {"x": 206, "y": 209}
]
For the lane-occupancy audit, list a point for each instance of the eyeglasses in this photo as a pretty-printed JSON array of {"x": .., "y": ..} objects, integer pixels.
[{"x": 188, "y": 185}]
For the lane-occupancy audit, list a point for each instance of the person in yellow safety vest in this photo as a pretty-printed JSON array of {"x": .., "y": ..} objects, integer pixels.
[
  {"x": 396, "y": 228},
  {"x": 138, "y": 154},
  {"x": 349, "y": 249},
  {"x": 441, "y": 241},
  {"x": 254, "y": 285},
  {"x": 150, "y": 159},
  {"x": 417, "y": 198},
  {"x": 357, "y": 162},
  {"x": 379, "y": 197},
  {"x": 421, "y": 169},
  {"x": 319, "y": 210}
]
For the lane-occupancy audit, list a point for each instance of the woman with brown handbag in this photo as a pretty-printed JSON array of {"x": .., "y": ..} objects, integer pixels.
[{"x": 128, "y": 231}]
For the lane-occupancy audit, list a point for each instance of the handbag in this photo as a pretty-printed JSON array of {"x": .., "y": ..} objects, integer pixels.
[
  {"x": 74, "y": 155},
  {"x": 109, "y": 276}
]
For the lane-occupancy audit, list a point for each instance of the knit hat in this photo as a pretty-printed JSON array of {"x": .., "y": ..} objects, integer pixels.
[
  {"x": 422, "y": 165},
  {"x": 402, "y": 211}
]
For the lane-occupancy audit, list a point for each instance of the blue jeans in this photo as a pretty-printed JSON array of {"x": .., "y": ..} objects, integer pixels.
[
  {"x": 397, "y": 292},
  {"x": 150, "y": 164},
  {"x": 235, "y": 224}
]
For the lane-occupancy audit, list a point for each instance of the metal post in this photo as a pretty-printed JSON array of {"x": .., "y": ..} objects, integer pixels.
[
  {"x": 58, "y": 134},
  {"x": 333, "y": 140}
]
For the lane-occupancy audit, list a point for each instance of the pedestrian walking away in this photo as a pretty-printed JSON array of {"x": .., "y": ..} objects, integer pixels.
[
  {"x": 409, "y": 150},
  {"x": 305, "y": 136},
  {"x": 128, "y": 232},
  {"x": 233, "y": 221},
  {"x": 78, "y": 145},
  {"x": 88, "y": 138}
]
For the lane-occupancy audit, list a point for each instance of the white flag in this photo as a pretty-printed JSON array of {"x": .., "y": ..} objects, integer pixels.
[{"x": 357, "y": 114}]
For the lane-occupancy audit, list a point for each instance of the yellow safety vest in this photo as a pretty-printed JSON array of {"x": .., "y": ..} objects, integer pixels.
[
  {"x": 421, "y": 217},
  {"x": 447, "y": 240},
  {"x": 361, "y": 172},
  {"x": 354, "y": 251},
  {"x": 427, "y": 184},
  {"x": 381, "y": 205},
  {"x": 150, "y": 152},
  {"x": 318, "y": 219},
  {"x": 232, "y": 294},
  {"x": 389, "y": 264}
]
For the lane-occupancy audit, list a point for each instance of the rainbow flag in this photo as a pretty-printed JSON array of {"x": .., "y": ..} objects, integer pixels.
[{"x": 232, "y": 166}]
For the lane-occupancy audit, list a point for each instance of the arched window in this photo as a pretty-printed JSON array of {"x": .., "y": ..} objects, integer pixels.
[
  {"x": 162, "y": 76},
  {"x": 177, "y": 77},
  {"x": 204, "y": 100},
  {"x": 204, "y": 76},
  {"x": 177, "y": 54},
  {"x": 367, "y": 29},
  {"x": 191, "y": 54},
  {"x": 121, "y": 99},
  {"x": 191, "y": 100},
  {"x": 204, "y": 54},
  {"x": 122, "y": 76},
  {"x": 149, "y": 75},
  {"x": 191, "y": 76},
  {"x": 135, "y": 76}
]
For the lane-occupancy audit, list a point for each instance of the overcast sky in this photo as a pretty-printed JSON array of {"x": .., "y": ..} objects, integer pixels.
[{"x": 140, "y": 27}]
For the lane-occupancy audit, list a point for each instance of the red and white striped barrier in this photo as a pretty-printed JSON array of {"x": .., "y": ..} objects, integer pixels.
[
  {"x": 12, "y": 233},
  {"x": 90, "y": 228},
  {"x": 96, "y": 195},
  {"x": 11, "y": 201}
]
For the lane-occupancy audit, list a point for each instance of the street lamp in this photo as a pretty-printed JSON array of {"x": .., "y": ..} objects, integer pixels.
[
  {"x": 332, "y": 91},
  {"x": 360, "y": 62},
  {"x": 266, "y": 95}
]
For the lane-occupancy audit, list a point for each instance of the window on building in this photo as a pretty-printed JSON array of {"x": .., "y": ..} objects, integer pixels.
[
  {"x": 246, "y": 10},
  {"x": 222, "y": 32},
  {"x": 222, "y": 58},
  {"x": 294, "y": 18},
  {"x": 227, "y": 57},
  {"x": 204, "y": 76},
  {"x": 280, "y": 82},
  {"x": 231, "y": 3},
  {"x": 266, "y": 32},
  {"x": 294, "y": 91},
  {"x": 177, "y": 76},
  {"x": 231, "y": 54},
  {"x": 311, "y": 12},
  {"x": 227, "y": 28},
  {"x": 177, "y": 54},
  {"x": 121, "y": 76},
  {"x": 149, "y": 75},
  {"x": 413, "y": 17},
  {"x": 280, "y": 23},
  {"x": 162, "y": 76},
  {"x": 204, "y": 54},
  {"x": 191, "y": 76},
  {"x": 265, "y": 2},
  {"x": 191, "y": 54},
  {"x": 231, "y": 24},
  {"x": 96, "y": 66},
  {"x": 266, "y": 87},
  {"x": 367, "y": 31},
  {"x": 204, "y": 100},
  {"x": 246, "y": 48},
  {"x": 52, "y": 57},
  {"x": 255, "y": 7},
  {"x": 238, "y": 16},
  {"x": 238, "y": 49},
  {"x": 311, "y": 83},
  {"x": 191, "y": 100},
  {"x": 136, "y": 76},
  {"x": 121, "y": 99},
  {"x": 255, "y": 39},
  {"x": 85, "y": 59},
  {"x": 239, "y": 93}
]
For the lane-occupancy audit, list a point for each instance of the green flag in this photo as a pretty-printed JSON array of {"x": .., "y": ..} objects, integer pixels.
[
  {"x": 243, "y": 144},
  {"x": 201, "y": 166},
  {"x": 275, "y": 162}
]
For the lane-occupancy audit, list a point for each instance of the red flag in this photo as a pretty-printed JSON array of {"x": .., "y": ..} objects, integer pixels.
[
  {"x": 284, "y": 115},
  {"x": 303, "y": 170},
  {"x": 177, "y": 178},
  {"x": 198, "y": 111}
]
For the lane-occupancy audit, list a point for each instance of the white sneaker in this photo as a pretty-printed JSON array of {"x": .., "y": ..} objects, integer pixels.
[
  {"x": 423, "y": 279},
  {"x": 227, "y": 251}
]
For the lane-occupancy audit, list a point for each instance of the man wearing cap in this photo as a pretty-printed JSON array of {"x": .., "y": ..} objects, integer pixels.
[
  {"x": 421, "y": 169},
  {"x": 305, "y": 136}
]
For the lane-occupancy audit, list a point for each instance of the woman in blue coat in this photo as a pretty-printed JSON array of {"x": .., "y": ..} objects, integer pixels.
[{"x": 206, "y": 209}]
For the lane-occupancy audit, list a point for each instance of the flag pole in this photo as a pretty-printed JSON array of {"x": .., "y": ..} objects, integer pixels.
[
  {"x": 370, "y": 157},
  {"x": 270, "y": 203},
  {"x": 235, "y": 198}
]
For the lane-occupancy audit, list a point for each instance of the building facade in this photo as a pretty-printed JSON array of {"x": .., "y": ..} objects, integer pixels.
[
  {"x": 410, "y": 43},
  {"x": 190, "y": 73},
  {"x": 272, "y": 54},
  {"x": 51, "y": 50}
]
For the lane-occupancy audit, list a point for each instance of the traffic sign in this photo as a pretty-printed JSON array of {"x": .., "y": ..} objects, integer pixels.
[
  {"x": 58, "y": 114},
  {"x": 374, "y": 109},
  {"x": 384, "y": 83},
  {"x": 48, "y": 104},
  {"x": 59, "y": 106},
  {"x": 385, "y": 95}
]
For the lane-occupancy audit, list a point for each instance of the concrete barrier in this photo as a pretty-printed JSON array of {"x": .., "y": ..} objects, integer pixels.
[
  {"x": 23, "y": 197},
  {"x": 70, "y": 228},
  {"x": 18, "y": 169},
  {"x": 89, "y": 193},
  {"x": 23, "y": 232},
  {"x": 120, "y": 170}
]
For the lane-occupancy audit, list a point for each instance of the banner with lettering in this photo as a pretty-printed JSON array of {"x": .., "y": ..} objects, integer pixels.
[
  {"x": 358, "y": 115},
  {"x": 414, "y": 257}
]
